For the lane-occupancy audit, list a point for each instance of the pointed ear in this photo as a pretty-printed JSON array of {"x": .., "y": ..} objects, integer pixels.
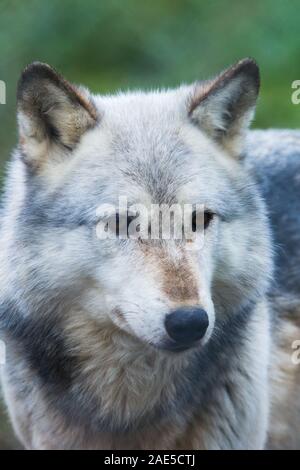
[
  {"x": 224, "y": 107},
  {"x": 52, "y": 113}
]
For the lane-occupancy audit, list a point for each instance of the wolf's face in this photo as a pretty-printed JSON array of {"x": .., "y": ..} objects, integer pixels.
[{"x": 79, "y": 154}]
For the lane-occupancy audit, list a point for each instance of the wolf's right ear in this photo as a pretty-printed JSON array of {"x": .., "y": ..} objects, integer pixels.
[
  {"x": 52, "y": 113},
  {"x": 224, "y": 106}
]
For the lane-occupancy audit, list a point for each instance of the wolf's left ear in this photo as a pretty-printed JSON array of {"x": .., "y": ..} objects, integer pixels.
[
  {"x": 224, "y": 107},
  {"x": 52, "y": 113}
]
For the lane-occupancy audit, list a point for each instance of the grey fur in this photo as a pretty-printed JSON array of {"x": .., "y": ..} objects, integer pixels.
[{"x": 78, "y": 375}]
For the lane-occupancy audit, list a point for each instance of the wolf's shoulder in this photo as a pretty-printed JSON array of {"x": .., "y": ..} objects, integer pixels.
[
  {"x": 273, "y": 150},
  {"x": 273, "y": 156}
]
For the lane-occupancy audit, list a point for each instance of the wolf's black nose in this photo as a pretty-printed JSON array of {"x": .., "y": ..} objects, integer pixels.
[{"x": 187, "y": 325}]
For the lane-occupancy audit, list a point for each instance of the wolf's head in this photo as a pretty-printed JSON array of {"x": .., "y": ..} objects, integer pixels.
[{"x": 78, "y": 153}]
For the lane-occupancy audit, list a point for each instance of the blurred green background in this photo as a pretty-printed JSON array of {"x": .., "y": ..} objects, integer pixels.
[{"x": 112, "y": 44}]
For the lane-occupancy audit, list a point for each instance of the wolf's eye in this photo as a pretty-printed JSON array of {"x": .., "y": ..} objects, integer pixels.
[{"x": 207, "y": 218}]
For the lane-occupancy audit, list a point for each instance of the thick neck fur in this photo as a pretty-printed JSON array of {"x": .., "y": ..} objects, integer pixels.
[{"x": 112, "y": 382}]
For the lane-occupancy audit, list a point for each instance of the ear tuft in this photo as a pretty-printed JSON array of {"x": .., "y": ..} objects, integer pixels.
[
  {"x": 224, "y": 106},
  {"x": 51, "y": 111}
]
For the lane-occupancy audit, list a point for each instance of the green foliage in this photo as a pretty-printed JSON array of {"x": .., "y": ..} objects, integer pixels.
[{"x": 111, "y": 44}]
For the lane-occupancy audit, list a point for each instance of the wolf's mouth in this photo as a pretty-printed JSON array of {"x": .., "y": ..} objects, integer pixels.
[{"x": 173, "y": 347}]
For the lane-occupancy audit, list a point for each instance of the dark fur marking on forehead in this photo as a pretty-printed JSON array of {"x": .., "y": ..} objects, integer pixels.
[{"x": 156, "y": 168}]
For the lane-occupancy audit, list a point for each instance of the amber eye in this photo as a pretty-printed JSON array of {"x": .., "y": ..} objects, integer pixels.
[{"x": 208, "y": 216}]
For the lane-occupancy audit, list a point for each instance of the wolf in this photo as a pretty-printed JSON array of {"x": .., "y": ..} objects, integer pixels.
[{"x": 142, "y": 343}]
